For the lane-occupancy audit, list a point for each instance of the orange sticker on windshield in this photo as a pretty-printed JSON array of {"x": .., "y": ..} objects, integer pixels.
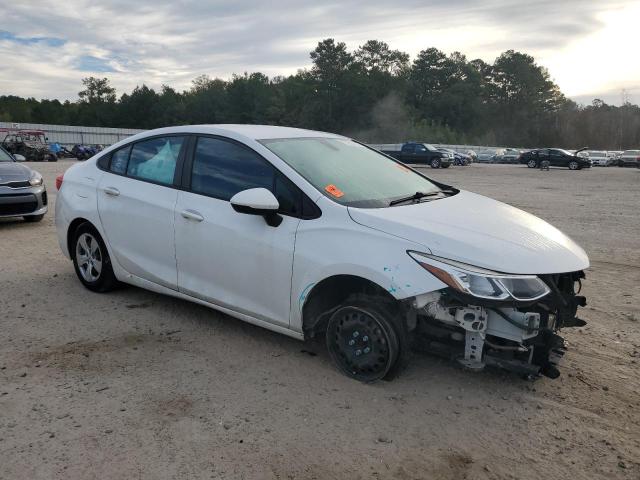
[
  {"x": 333, "y": 190},
  {"x": 402, "y": 167}
]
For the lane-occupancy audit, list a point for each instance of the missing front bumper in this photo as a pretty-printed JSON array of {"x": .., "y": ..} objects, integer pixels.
[{"x": 520, "y": 337}]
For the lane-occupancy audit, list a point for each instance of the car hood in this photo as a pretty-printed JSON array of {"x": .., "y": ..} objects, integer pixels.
[
  {"x": 13, "y": 172},
  {"x": 480, "y": 231}
]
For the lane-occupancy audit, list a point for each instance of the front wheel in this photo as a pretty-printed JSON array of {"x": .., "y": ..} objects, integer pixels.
[
  {"x": 573, "y": 165},
  {"x": 91, "y": 260},
  {"x": 364, "y": 339},
  {"x": 532, "y": 164},
  {"x": 435, "y": 163}
]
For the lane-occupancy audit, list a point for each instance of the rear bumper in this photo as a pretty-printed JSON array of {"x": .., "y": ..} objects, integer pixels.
[{"x": 23, "y": 202}]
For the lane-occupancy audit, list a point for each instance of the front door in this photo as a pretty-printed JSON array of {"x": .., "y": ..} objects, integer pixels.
[
  {"x": 557, "y": 158},
  {"x": 232, "y": 259}
]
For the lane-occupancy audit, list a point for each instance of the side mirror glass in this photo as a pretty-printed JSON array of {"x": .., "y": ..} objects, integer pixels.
[
  {"x": 19, "y": 158},
  {"x": 258, "y": 201}
]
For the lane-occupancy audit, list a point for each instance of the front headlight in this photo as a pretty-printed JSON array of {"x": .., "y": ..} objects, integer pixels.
[
  {"x": 482, "y": 283},
  {"x": 36, "y": 179}
]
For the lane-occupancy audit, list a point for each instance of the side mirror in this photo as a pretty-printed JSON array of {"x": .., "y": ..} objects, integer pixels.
[
  {"x": 19, "y": 158},
  {"x": 258, "y": 201}
]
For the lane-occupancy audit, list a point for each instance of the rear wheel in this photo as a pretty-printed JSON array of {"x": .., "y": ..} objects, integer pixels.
[
  {"x": 365, "y": 340},
  {"x": 91, "y": 260},
  {"x": 33, "y": 218},
  {"x": 435, "y": 163}
]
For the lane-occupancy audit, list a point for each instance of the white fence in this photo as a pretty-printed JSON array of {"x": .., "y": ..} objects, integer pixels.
[{"x": 71, "y": 135}]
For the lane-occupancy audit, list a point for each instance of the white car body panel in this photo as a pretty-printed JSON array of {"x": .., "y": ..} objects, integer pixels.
[
  {"x": 233, "y": 259},
  {"x": 334, "y": 245},
  {"x": 238, "y": 264},
  {"x": 139, "y": 226},
  {"x": 480, "y": 231}
]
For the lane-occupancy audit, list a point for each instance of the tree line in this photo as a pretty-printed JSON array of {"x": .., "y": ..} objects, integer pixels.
[{"x": 375, "y": 94}]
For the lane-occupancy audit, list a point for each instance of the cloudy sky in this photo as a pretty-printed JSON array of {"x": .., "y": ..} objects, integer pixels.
[{"x": 46, "y": 47}]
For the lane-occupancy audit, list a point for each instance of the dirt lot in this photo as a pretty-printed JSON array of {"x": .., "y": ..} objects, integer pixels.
[{"x": 138, "y": 385}]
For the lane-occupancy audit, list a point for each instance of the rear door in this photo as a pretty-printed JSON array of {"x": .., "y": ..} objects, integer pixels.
[
  {"x": 408, "y": 152},
  {"x": 422, "y": 155},
  {"x": 136, "y": 202},
  {"x": 543, "y": 155}
]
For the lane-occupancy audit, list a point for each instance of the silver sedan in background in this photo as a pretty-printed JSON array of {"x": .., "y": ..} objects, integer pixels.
[{"x": 22, "y": 190}]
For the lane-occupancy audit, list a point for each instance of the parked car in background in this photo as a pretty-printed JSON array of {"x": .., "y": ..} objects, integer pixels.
[
  {"x": 506, "y": 155},
  {"x": 599, "y": 158},
  {"x": 416, "y": 153},
  {"x": 473, "y": 155},
  {"x": 312, "y": 234},
  {"x": 22, "y": 190},
  {"x": 458, "y": 158},
  {"x": 629, "y": 158},
  {"x": 557, "y": 157},
  {"x": 83, "y": 152},
  {"x": 485, "y": 157},
  {"x": 615, "y": 155}
]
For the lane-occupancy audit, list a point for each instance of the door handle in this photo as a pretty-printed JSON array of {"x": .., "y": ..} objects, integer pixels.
[
  {"x": 114, "y": 192},
  {"x": 192, "y": 215}
]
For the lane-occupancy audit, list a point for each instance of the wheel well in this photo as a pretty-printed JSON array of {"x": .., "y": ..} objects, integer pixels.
[
  {"x": 72, "y": 228},
  {"x": 331, "y": 292}
]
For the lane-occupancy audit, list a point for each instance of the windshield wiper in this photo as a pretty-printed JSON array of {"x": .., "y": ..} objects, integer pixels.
[{"x": 416, "y": 196}]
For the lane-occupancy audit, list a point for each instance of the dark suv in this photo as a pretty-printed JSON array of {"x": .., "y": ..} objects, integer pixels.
[{"x": 557, "y": 157}]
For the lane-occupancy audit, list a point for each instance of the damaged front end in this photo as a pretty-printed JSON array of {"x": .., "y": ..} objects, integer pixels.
[{"x": 487, "y": 318}]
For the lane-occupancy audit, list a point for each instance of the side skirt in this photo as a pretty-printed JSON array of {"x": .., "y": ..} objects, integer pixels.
[{"x": 154, "y": 287}]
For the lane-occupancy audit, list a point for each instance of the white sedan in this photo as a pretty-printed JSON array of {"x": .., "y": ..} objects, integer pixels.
[
  {"x": 599, "y": 158},
  {"x": 310, "y": 233}
]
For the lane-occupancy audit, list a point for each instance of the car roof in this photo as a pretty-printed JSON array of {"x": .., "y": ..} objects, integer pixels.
[{"x": 253, "y": 132}]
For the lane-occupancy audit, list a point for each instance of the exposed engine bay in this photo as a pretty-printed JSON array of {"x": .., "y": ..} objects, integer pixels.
[{"x": 521, "y": 336}]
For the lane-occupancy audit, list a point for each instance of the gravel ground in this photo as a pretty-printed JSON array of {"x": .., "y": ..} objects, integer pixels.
[{"x": 137, "y": 385}]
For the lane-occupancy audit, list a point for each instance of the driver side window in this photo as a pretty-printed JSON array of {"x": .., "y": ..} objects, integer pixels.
[{"x": 222, "y": 168}]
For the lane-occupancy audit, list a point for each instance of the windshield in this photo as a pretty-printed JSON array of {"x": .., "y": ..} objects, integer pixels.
[
  {"x": 4, "y": 156},
  {"x": 597, "y": 154},
  {"x": 349, "y": 173}
]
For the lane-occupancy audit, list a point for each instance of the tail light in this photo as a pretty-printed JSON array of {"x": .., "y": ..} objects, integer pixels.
[{"x": 59, "y": 180}]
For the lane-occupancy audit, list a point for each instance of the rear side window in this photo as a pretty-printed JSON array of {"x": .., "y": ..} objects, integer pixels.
[
  {"x": 408, "y": 148},
  {"x": 221, "y": 169},
  {"x": 119, "y": 160},
  {"x": 155, "y": 159}
]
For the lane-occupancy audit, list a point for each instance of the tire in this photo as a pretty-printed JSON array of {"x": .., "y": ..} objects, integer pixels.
[
  {"x": 96, "y": 273},
  {"x": 532, "y": 163},
  {"x": 365, "y": 340},
  {"x": 573, "y": 165},
  {"x": 447, "y": 165},
  {"x": 435, "y": 163},
  {"x": 52, "y": 157},
  {"x": 33, "y": 218}
]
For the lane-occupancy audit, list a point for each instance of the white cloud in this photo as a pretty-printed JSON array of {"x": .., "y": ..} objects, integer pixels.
[{"x": 172, "y": 43}]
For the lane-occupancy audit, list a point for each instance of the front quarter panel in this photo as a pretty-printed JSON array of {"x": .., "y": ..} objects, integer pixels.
[{"x": 336, "y": 245}]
